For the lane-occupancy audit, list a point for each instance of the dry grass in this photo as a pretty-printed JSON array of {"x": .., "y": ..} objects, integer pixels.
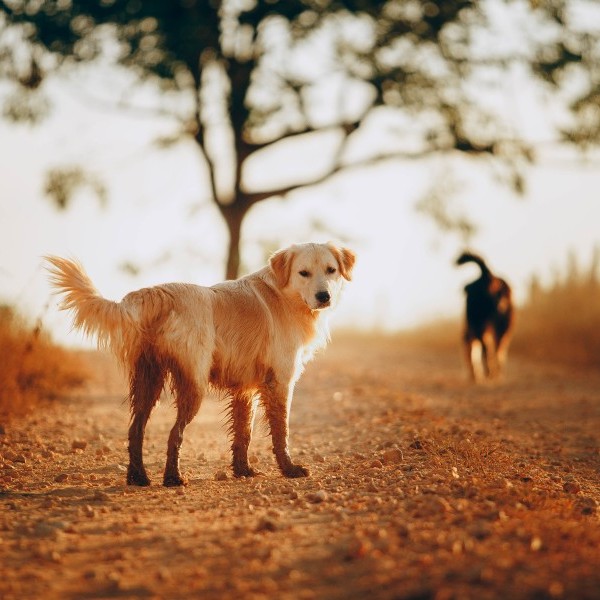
[
  {"x": 561, "y": 322},
  {"x": 34, "y": 369}
]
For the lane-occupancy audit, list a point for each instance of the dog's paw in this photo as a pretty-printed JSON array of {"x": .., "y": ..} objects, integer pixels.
[
  {"x": 245, "y": 471},
  {"x": 174, "y": 480},
  {"x": 295, "y": 471},
  {"x": 137, "y": 477}
]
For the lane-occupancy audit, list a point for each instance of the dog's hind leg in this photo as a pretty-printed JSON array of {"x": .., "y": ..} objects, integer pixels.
[
  {"x": 276, "y": 399},
  {"x": 502, "y": 353},
  {"x": 474, "y": 357},
  {"x": 188, "y": 398},
  {"x": 491, "y": 356},
  {"x": 146, "y": 384},
  {"x": 243, "y": 409}
]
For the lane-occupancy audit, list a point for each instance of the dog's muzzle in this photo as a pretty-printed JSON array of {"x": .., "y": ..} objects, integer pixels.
[{"x": 323, "y": 298}]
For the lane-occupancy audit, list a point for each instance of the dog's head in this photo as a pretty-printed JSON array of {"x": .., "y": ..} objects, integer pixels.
[{"x": 315, "y": 272}]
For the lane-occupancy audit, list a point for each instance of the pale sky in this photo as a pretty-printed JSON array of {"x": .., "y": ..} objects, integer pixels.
[{"x": 158, "y": 215}]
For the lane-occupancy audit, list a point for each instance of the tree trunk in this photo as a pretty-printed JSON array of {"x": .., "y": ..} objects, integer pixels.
[{"x": 234, "y": 214}]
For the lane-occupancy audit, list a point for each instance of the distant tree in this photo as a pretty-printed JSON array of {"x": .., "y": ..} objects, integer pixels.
[{"x": 247, "y": 75}]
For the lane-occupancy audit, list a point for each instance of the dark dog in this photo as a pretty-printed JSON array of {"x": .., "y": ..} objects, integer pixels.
[{"x": 489, "y": 321}]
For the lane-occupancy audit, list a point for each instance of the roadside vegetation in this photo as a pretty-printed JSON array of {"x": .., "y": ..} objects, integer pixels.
[
  {"x": 561, "y": 322},
  {"x": 34, "y": 369}
]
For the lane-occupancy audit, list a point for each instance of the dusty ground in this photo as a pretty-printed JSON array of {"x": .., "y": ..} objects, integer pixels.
[{"x": 422, "y": 486}]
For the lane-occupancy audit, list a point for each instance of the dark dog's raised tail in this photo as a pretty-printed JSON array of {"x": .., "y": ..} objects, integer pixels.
[{"x": 467, "y": 257}]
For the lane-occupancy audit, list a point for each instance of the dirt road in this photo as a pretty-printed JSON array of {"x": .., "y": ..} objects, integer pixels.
[{"x": 422, "y": 486}]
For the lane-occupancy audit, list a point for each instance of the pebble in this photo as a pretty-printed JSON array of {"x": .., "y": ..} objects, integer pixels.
[
  {"x": 61, "y": 477},
  {"x": 536, "y": 544},
  {"x": 79, "y": 445},
  {"x": 393, "y": 456},
  {"x": 317, "y": 497},
  {"x": 571, "y": 487},
  {"x": 267, "y": 524},
  {"x": 221, "y": 476}
]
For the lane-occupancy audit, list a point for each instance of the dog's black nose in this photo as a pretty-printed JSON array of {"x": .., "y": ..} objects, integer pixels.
[{"x": 323, "y": 297}]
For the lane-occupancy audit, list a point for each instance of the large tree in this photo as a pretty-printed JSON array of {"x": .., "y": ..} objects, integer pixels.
[{"x": 246, "y": 75}]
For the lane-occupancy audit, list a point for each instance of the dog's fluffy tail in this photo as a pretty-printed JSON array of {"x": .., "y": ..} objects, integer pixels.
[{"x": 110, "y": 322}]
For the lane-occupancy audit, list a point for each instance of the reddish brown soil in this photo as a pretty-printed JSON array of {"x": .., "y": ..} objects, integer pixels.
[{"x": 422, "y": 486}]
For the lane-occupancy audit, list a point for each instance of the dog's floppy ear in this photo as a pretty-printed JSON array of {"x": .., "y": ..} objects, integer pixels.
[
  {"x": 281, "y": 265},
  {"x": 345, "y": 258}
]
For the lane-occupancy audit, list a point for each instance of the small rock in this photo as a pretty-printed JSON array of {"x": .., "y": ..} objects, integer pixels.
[
  {"x": 221, "y": 476},
  {"x": 19, "y": 458},
  {"x": 536, "y": 544},
  {"x": 318, "y": 458},
  {"x": 88, "y": 511},
  {"x": 376, "y": 464},
  {"x": 571, "y": 487},
  {"x": 61, "y": 477},
  {"x": 393, "y": 456},
  {"x": 267, "y": 524},
  {"x": 317, "y": 497},
  {"x": 79, "y": 444},
  {"x": 416, "y": 445}
]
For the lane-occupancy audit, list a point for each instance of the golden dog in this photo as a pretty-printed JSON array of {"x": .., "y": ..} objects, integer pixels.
[{"x": 250, "y": 338}]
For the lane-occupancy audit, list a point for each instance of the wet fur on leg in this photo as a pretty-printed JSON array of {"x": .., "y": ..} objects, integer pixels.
[{"x": 247, "y": 338}]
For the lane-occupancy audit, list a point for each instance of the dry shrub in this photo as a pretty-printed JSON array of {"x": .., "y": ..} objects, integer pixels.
[
  {"x": 561, "y": 322},
  {"x": 34, "y": 369}
]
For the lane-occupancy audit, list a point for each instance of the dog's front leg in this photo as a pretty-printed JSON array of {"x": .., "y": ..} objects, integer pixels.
[{"x": 277, "y": 400}]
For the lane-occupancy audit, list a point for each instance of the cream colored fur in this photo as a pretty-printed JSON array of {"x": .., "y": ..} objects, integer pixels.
[{"x": 249, "y": 337}]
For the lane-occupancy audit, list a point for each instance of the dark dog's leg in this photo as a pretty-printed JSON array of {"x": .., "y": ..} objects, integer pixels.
[
  {"x": 145, "y": 387},
  {"x": 189, "y": 399},
  {"x": 469, "y": 343},
  {"x": 503, "y": 345},
  {"x": 276, "y": 399},
  {"x": 243, "y": 408},
  {"x": 491, "y": 359}
]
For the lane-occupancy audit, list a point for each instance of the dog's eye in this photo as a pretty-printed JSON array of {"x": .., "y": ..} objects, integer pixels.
[
  {"x": 304, "y": 273},
  {"x": 331, "y": 270}
]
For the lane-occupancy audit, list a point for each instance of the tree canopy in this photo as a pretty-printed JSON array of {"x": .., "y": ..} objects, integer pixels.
[{"x": 249, "y": 74}]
